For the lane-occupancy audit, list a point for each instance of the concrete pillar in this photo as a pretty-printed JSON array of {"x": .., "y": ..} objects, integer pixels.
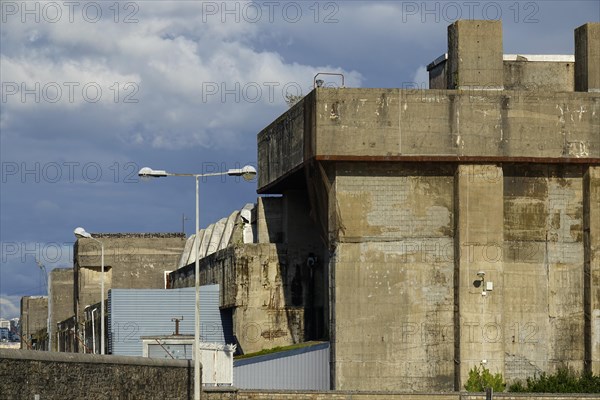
[
  {"x": 475, "y": 55},
  {"x": 587, "y": 57},
  {"x": 478, "y": 248},
  {"x": 269, "y": 220},
  {"x": 23, "y": 322},
  {"x": 592, "y": 268},
  {"x": 60, "y": 301}
]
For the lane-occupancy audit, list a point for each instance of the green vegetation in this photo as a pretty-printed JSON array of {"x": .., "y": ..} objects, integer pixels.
[
  {"x": 276, "y": 350},
  {"x": 292, "y": 99},
  {"x": 479, "y": 380},
  {"x": 565, "y": 380}
]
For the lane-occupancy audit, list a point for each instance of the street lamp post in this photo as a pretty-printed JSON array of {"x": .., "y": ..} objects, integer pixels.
[
  {"x": 247, "y": 172},
  {"x": 81, "y": 233}
]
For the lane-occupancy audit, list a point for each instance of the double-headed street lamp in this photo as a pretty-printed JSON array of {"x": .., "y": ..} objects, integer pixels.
[
  {"x": 81, "y": 233},
  {"x": 248, "y": 172}
]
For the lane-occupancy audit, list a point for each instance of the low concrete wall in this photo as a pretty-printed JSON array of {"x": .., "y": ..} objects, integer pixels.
[
  {"x": 265, "y": 395},
  {"x": 525, "y": 396},
  {"x": 25, "y": 374},
  {"x": 232, "y": 394}
]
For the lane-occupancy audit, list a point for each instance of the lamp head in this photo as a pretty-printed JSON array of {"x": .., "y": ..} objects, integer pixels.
[
  {"x": 81, "y": 233},
  {"x": 148, "y": 172},
  {"x": 248, "y": 172}
]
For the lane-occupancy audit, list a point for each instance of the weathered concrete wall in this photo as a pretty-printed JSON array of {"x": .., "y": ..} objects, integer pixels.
[
  {"x": 539, "y": 76},
  {"x": 285, "y": 136},
  {"x": 438, "y": 78},
  {"x": 521, "y": 73},
  {"x": 276, "y": 289},
  {"x": 491, "y": 123},
  {"x": 480, "y": 216},
  {"x": 60, "y": 301},
  {"x": 131, "y": 261},
  {"x": 543, "y": 257},
  {"x": 392, "y": 277},
  {"x": 456, "y": 123},
  {"x": 475, "y": 55},
  {"x": 25, "y": 374},
  {"x": 385, "y": 115},
  {"x": 269, "y": 220},
  {"x": 587, "y": 58},
  {"x": 260, "y": 290},
  {"x": 592, "y": 267},
  {"x": 426, "y": 188},
  {"x": 400, "y": 270},
  {"x": 445, "y": 124},
  {"x": 34, "y": 317}
]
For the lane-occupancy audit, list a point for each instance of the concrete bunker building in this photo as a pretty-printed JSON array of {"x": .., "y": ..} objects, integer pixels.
[
  {"x": 131, "y": 261},
  {"x": 424, "y": 232},
  {"x": 273, "y": 286},
  {"x": 60, "y": 302},
  {"x": 33, "y": 321}
]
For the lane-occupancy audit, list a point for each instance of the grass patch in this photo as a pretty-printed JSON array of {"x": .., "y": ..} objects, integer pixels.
[
  {"x": 565, "y": 380},
  {"x": 277, "y": 350}
]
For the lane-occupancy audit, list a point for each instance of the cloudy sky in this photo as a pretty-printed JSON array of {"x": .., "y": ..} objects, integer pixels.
[{"x": 93, "y": 91}]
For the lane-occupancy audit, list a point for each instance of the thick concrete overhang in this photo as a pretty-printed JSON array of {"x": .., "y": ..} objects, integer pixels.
[{"x": 461, "y": 126}]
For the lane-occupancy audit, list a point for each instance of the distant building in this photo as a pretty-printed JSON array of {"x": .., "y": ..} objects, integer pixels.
[
  {"x": 15, "y": 327},
  {"x": 33, "y": 322},
  {"x": 60, "y": 301},
  {"x": 131, "y": 261},
  {"x": 12, "y": 327},
  {"x": 5, "y": 333}
]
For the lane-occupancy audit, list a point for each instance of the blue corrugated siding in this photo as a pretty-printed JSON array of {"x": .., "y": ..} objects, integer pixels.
[
  {"x": 301, "y": 369},
  {"x": 148, "y": 312}
]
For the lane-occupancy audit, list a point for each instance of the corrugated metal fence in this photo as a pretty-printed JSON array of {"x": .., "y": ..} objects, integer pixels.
[
  {"x": 149, "y": 312},
  {"x": 300, "y": 369}
]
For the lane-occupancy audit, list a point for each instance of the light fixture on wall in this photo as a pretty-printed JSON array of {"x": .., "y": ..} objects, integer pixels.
[{"x": 481, "y": 283}]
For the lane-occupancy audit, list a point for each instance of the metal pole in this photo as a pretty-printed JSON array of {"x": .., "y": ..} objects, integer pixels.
[
  {"x": 93, "y": 333},
  {"x": 197, "y": 318},
  {"x": 102, "y": 299},
  {"x": 247, "y": 172}
]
